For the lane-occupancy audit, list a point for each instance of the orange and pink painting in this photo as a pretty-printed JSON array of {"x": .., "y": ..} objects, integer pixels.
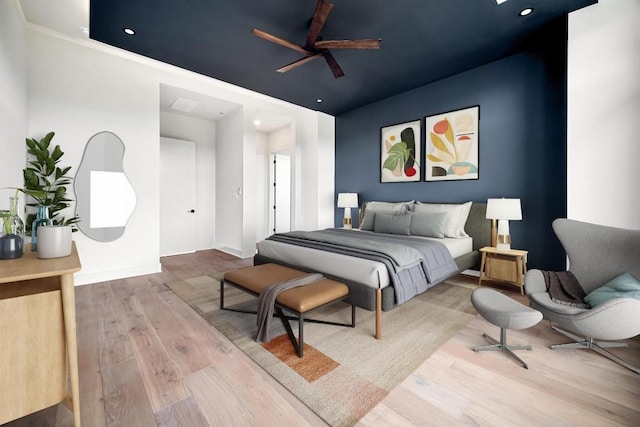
[{"x": 452, "y": 145}]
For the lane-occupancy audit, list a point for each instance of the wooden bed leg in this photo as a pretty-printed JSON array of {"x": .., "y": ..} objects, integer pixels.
[{"x": 378, "y": 313}]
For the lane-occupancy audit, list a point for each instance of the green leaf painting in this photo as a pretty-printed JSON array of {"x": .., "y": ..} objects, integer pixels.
[{"x": 400, "y": 152}]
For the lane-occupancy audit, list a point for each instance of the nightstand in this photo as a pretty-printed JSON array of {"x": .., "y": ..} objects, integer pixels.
[{"x": 503, "y": 265}]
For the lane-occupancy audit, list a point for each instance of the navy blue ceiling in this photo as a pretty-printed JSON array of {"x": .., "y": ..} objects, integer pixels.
[{"x": 422, "y": 41}]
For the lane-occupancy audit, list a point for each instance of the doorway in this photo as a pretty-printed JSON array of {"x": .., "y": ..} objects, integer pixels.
[
  {"x": 177, "y": 196},
  {"x": 280, "y": 194}
]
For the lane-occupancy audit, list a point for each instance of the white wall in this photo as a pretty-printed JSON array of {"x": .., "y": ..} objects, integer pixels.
[
  {"x": 80, "y": 87},
  {"x": 228, "y": 180},
  {"x": 13, "y": 102},
  {"x": 262, "y": 186},
  {"x": 326, "y": 170},
  {"x": 249, "y": 183},
  {"x": 77, "y": 92},
  {"x": 203, "y": 133},
  {"x": 603, "y": 123},
  {"x": 281, "y": 139}
]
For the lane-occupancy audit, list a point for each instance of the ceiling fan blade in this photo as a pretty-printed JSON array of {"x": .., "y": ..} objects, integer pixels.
[
  {"x": 298, "y": 63},
  {"x": 348, "y": 44},
  {"x": 333, "y": 64},
  {"x": 317, "y": 22},
  {"x": 281, "y": 42}
]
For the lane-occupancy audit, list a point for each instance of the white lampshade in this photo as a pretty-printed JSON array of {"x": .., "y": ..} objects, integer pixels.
[
  {"x": 504, "y": 209},
  {"x": 347, "y": 200}
]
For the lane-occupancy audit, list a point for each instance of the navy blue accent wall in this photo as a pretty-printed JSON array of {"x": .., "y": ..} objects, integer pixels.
[{"x": 522, "y": 142}]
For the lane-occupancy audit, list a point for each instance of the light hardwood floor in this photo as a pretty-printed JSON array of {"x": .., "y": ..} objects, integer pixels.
[{"x": 147, "y": 359}]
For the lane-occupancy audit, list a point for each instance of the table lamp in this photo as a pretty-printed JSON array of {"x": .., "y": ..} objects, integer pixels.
[
  {"x": 347, "y": 201},
  {"x": 502, "y": 210}
]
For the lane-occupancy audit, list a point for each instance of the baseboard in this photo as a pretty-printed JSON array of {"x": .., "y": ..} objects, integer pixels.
[
  {"x": 104, "y": 276},
  {"x": 474, "y": 273},
  {"x": 235, "y": 252},
  {"x": 230, "y": 251}
]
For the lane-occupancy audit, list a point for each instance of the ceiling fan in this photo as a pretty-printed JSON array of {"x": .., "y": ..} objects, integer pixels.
[{"x": 314, "y": 46}]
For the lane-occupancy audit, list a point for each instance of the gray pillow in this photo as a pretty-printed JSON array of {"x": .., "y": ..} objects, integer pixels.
[
  {"x": 392, "y": 208},
  {"x": 370, "y": 215},
  {"x": 392, "y": 224},
  {"x": 396, "y": 207},
  {"x": 429, "y": 225}
]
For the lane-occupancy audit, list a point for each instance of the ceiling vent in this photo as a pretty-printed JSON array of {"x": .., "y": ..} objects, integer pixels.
[{"x": 185, "y": 105}]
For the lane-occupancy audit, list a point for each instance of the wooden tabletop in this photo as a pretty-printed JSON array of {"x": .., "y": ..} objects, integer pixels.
[
  {"x": 29, "y": 266},
  {"x": 513, "y": 252}
]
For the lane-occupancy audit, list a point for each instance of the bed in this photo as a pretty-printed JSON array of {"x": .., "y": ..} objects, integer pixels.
[{"x": 370, "y": 284}]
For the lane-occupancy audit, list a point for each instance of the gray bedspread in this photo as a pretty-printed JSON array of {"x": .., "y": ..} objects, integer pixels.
[{"x": 414, "y": 264}]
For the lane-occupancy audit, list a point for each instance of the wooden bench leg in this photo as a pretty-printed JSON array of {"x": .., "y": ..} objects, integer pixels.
[{"x": 378, "y": 313}]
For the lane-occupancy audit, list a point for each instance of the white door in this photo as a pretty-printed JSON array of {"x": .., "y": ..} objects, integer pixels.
[
  {"x": 281, "y": 192},
  {"x": 177, "y": 196}
]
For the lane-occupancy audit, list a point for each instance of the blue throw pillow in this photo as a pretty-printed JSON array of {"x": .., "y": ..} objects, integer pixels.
[{"x": 622, "y": 286}]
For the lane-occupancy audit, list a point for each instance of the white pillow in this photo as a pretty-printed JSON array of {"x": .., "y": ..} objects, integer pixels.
[
  {"x": 456, "y": 219},
  {"x": 464, "y": 215}
]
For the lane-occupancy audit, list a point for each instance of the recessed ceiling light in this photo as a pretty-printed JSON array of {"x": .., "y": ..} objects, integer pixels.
[
  {"x": 527, "y": 11},
  {"x": 318, "y": 100},
  {"x": 500, "y": 1},
  {"x": 129, "y": 31}
]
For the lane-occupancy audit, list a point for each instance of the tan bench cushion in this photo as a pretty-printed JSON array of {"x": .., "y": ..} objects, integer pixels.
[{"x": 299, "y": 299}]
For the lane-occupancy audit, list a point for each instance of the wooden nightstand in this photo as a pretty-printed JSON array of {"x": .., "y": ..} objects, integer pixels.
[{"x": 503, "y": 265}]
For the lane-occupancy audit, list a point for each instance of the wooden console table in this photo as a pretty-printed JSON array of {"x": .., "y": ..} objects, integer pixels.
[{"x": 38, "y": 343}]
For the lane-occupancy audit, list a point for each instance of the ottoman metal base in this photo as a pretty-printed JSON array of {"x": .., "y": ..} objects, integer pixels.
[
  {"x": 506, "y": 313},
  {"x": 503, "y": 346}
]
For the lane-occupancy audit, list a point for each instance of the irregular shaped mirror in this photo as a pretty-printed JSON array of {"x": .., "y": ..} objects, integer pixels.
[{"x": 104, "y": 197}]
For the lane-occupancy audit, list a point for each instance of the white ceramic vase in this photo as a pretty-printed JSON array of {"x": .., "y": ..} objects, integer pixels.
[{"x": 54, "y": 241}]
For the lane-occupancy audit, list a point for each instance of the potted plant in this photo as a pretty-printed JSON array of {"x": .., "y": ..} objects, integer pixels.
[{"x": 46, "y": 182}]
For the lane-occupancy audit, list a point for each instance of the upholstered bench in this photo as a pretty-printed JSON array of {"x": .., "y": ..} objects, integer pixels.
[
  {"x": 299, "y": 300},
  {"x": 507, "y": 313}
]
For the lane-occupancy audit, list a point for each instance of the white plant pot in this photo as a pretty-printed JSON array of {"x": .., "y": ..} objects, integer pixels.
[{"x": 54, "y": 241}]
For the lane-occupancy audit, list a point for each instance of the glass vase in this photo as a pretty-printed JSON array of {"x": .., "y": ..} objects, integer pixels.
[
  {"x": 16, "y": 223},
  {"x": 42, "y": 219},
  {"x": 12, "y": 232}
]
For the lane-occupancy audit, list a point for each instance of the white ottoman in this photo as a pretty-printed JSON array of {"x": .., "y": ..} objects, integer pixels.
[{"x": 507, "y": 313}]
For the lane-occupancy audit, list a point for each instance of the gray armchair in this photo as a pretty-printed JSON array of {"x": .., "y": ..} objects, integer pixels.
[{"x": 596, "y": 255}]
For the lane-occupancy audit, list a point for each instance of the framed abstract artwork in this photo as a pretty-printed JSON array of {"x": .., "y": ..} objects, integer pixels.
[
  {"x": 400, "y": 152},
  {"x": 452, "y": 145}
]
